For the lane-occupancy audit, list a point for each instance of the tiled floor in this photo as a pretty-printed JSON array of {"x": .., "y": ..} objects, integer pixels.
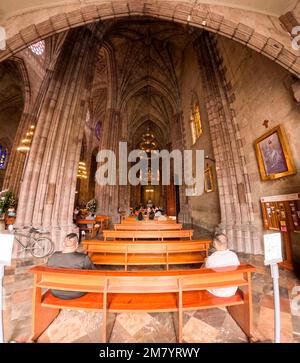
[{"x": 213, "y": 325}]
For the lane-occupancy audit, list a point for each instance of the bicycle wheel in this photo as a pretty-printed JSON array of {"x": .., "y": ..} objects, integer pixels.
[{"x": 42, "y": 247}]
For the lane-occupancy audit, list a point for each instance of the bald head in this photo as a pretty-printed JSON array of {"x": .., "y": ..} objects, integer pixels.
[
  {"x": 70, "y": 243},
  {"x": 220, "y": 242}
]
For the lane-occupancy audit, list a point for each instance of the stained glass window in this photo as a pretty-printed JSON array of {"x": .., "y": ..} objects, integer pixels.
[
  {"x": 3, "y": 156},
  {"x": 38, "y": 48}
]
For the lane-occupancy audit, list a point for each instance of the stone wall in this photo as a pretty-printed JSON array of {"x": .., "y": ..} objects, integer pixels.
[
  {"x": 262, "y": 91},
  {"x": 11, "y": 107},
  {"x": 205, "y": 209}
]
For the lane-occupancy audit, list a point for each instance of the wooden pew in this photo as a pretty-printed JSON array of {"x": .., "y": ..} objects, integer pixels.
[
  {"x": 87, "y": 225},
  {"x": 136, "y": 253},
  {"x": 103, "y": 221},
  {"x": 145, "y": 291},
  {"x": 158, "y": 221},
  {"x": 159, "y": 235},
  {"x": 147, "y": 226}
]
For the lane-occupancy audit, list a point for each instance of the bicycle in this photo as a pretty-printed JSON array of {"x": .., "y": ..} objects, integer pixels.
[{"x": 39, "y": 246}]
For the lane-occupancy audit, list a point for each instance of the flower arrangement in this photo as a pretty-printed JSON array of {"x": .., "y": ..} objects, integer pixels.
[
  {"x": 92, "y": 205},
  {"x": 7, "y": 201}
]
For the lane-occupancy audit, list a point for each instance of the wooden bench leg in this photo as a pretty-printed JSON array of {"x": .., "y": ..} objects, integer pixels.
[
  {"x": 104, "y": 317},
  {"x": 42, "y": 317},
  {"x": 180, "y": 314},
  {"x": 242, "y": 314}
]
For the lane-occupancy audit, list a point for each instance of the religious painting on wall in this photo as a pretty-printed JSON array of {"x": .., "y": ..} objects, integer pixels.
[
  {"x": 208, "y": 180},
  {"x": 273, "y": 155}
]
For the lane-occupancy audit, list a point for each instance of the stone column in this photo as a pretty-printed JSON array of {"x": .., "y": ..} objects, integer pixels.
[
  {"x": 17, "y": 160},
  {"x": 178, "y": 143},
  {"x": 234, "y": 190},
  {"x": 107, "y": 195},
  {"x": 48, "y": 188}
]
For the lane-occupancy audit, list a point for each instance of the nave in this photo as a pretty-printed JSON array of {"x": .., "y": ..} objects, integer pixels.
[{"x": 91, "y": 90}]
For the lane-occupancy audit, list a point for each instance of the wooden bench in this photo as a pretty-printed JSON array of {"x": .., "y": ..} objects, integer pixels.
[
  {"x": 130, "y": 253},
  {"x": 103, "y": 221},
  {"x": 151, "y": 221},
  {"x": 145, "y": 291},
  {"x": 147, "y": 226},
  {"x": 159, "y": 235},
  {"x": 87, "y": 225}
]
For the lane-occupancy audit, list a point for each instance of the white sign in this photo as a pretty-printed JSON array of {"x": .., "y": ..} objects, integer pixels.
[
  {"x": 6, "y": 247},
  {"x": 272, "y": 247}
]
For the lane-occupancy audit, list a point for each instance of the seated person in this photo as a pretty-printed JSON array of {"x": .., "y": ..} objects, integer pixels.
[
  {"x": 222, "y": 257},
  {"x": 151, "y": 214},
  {"x": 162, "y": 218},
  {"x": 90, "y": 217},
  {"x": 140, "y": 216},
  {"x": 158, "y": 213},
  {"x": 69, "y": 258}
]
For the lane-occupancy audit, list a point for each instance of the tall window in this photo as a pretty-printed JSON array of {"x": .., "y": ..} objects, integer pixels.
[
  {"x": 196, "y": 126},
  {"x": 3, "y": 156}
]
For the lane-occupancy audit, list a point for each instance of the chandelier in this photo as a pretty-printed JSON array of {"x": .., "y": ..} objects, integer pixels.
[{"x": 148, "y": 142}]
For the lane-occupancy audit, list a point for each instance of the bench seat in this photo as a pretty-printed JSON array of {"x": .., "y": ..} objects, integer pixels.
[
  {"x": 162, "y": 302},
  {"x": 146, "y": 259},
  {"x": 141, "y": 291}
]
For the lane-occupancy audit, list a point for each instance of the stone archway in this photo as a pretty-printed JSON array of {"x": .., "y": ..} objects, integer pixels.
[
  {"x": 240, "y": 229},
  {"x": 238, "y": 25}
]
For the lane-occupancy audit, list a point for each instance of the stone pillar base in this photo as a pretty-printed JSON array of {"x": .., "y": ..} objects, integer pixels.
[
  {"x": 246, "y": 238},
  {"x": 184, "y": 215}
]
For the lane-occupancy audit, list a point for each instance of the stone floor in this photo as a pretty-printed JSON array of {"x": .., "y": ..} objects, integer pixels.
[{"x": 213, "y": 325}]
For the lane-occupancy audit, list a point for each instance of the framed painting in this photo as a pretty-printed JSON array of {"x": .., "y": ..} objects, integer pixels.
[
  {"x": 208, "y": 180},
  {"x": 273, "y": 155}
]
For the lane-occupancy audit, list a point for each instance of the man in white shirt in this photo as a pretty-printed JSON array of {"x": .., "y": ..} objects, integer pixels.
[{"x": 222, "y": 257}]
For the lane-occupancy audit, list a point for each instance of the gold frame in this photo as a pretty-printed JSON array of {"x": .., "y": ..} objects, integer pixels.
[
  {"x": 286, "y": 151},
  {"x": 210, "y": 174}
]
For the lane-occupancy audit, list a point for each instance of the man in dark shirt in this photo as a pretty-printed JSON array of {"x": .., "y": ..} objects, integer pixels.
[{"x": 69, "y": 258}]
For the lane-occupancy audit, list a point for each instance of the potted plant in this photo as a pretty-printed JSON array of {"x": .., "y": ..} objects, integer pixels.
[
  {"x": 7, "y": 204},
  {"x": 92, "y": 206}
]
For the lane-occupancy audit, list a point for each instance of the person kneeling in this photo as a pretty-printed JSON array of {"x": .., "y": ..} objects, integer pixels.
[
  {"x": 71, "y": 259},
  {"x": 222, "y": 257}
]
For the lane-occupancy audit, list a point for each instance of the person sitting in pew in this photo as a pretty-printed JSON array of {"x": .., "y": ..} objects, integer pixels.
[
  {"x": 222, "y": 257},
  {"x": 151, "y": 214},
  {"x": 71, "y": 259},
  {"x": 140, "y": 216}
]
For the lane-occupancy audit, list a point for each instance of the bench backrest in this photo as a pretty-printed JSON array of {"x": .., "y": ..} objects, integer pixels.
[
  {"x": 102, "y": 218},
  {"x": 183, "y": 233},
  {"x": 154, "y": 221},
  {"x": 147, "y": 226},
  {"x": 86, "y": 221},
  {"x": 142, "y": 281},
  {"x": 97, "y": 246}
]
